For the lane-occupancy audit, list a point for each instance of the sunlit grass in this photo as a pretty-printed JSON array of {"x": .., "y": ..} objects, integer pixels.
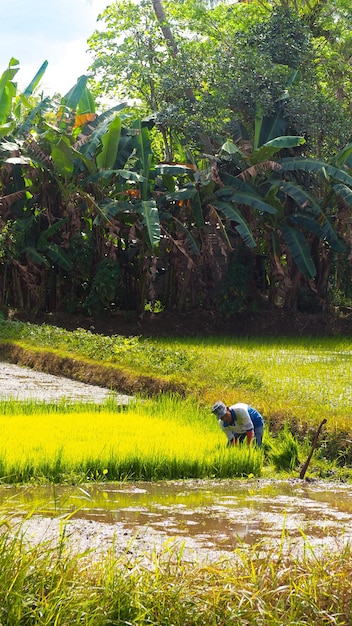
[
  {"x": 48, "y": 584},
  {"x": 148, "y": 440},
  {"x": 305, "y": 379}
]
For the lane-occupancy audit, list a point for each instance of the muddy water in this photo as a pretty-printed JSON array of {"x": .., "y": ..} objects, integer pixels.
[{"x": 208, "y": 516}]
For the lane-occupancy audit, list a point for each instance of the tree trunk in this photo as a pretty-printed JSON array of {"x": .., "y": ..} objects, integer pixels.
[
  {"x": 165, "y": 28},
  {"x": 292, "y": 292},
  {"x": 174, "y": 51}
]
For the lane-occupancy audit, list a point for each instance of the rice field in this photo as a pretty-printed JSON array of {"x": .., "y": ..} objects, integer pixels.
[
  {"x": 292, "y": 382},
  {"x": 165, "y": 438},
  {"x": 302, "y": 379}
]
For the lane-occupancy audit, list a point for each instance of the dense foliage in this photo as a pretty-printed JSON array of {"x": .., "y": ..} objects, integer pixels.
[{"x": 220, "y": 178}]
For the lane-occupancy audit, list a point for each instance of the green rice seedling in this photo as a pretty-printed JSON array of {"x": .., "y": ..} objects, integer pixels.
[
  {"x": 285, "y": 451},
  {"x": 294, "y": 380},
  {"x": 149, "y": 440}
]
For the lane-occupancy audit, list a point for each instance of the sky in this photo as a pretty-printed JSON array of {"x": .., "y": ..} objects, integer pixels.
[{"x": 34, "y": 31}]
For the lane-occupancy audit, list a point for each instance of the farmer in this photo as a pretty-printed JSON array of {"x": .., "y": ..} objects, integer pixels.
[{"x": 239, "y": 421}]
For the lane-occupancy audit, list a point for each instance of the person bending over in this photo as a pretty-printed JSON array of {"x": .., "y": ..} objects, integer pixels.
[{"x": 239, "y": 422}]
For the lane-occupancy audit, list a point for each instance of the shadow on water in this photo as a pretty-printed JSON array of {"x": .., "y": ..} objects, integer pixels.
[{"x": 217, "y": 515}]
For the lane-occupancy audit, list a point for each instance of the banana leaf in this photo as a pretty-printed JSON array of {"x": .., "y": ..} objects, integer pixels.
[
  {"x": 252, "y": 200},
  {"x": 173, "y": 170},
  {"x": 6, "y": 129},
  {"x": 319, "y": 224},
  {"x": 7, "y": 94},
  {"x": 50, "y": 232},
  {"x": 35, "y": 256},
  {"x": 72, "y": 98},
  {"x": 86, "y": 103},
  {"x": 150, "y": 214},
  {"x": 182, "y": 194},
  {"x": 315, "y": 167},
  {"x": 20, "y": 160},
  {"x": 230, "y": 148},
  {"x": 8, "y": 74},
  {"x": 299, "y": 250},
  {"x": 241, "y": 225},
  {"x": 58, "y": 256},
  {"x": 268, "y": 127},
  {"x": 323, "y": 229},
  {"x": 30, "y": 119},
  {"x": 124, "y": 152},
  {"x": 197, "y": 211},
  {"x": 110, "y": 141},
  {"x": 144, "y": 163},
  {"x": 231, "y": 183},
  {"x": 106, "y": 174},
  {"x": 189, "y": 193},
  {"x": 297, "y": 193},
  {"x": 62, "y": 155},
  {"x": 90, "y": 149},
  {"x": 35, "y": 80},
  {"x": 344, "y": 157},
  {"x": 193, "y": 247},
  {"x": 268, "y": 149},
  {"x": 345, "y": 193}
]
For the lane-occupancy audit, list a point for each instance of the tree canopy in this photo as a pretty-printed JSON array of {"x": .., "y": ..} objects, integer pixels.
[
  {"x": 227, "y": 62},
  {"x": 219, "y": 177}
]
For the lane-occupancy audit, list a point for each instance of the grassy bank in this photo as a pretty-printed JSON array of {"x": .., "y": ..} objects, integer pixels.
[{"x": 50, "y": 586}]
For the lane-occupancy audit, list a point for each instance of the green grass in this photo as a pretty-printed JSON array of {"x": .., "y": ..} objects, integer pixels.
[{"x": 52, "y": 586}]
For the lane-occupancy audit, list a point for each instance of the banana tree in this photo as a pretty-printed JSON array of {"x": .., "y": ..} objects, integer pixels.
[
  {"x": 281, "y": 208},
  {"x": 300, "y": 228},
  {"x": 43, "y": 164}
]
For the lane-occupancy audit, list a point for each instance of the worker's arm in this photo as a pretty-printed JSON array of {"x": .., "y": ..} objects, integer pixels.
[{"x": 250, "y": 435}]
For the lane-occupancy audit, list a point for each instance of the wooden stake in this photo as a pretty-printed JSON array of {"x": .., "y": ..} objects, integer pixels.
[{"x": 315, "y": 441}]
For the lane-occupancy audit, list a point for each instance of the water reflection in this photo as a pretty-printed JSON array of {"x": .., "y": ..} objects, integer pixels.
[{"x": 217, "y": 514}]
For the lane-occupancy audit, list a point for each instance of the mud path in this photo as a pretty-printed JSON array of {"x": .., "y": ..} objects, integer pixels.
[{"x": 23, "y": 383}]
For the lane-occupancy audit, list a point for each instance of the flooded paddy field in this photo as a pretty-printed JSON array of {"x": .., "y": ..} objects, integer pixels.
[{"x": 207, "y": 519}]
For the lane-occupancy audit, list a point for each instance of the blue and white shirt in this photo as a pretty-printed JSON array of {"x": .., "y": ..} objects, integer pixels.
[{"x": 241, "y": 421}]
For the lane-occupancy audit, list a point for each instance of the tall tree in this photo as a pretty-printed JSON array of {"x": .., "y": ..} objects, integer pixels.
[{"x": 231, "y": 58}]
